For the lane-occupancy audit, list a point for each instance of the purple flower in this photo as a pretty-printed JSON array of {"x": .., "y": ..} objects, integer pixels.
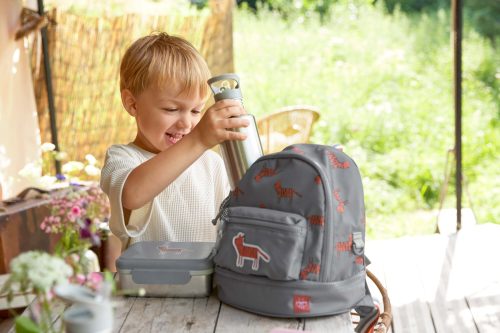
[
  {"x": 60, "y": 177},
  {"x": 86, "y": 233}
]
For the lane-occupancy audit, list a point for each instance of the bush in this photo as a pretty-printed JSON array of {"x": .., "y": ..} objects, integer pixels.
[
  {"x": 386, "y": 94},
  {"x": 291, "y": 9}
]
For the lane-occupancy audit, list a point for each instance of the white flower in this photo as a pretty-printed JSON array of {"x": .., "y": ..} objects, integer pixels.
[
  {"x": 39, "y": 271},
  {"x": 92, "y": 170},
  {"x": 61, "y": 156},
  {"x": 45, "y": 182},
  {"x": 47, "y": 146},
  {"x": 72, "y": 166},
  {"x": 91, "y": 159}
]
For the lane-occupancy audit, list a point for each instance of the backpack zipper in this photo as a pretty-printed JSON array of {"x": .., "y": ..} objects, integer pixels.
[{"x": 267, "y": 224}]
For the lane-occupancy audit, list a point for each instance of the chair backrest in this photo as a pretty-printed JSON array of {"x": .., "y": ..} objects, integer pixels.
[{"x": 289, "y": 125}]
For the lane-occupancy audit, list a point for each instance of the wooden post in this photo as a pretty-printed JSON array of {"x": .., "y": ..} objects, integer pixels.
[
  {"x": 48, "y": 84},
  {"x": 456, "y": 6}
]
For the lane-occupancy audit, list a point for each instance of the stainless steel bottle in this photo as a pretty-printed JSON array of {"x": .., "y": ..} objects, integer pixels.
[{"x": 238, "y": 156}]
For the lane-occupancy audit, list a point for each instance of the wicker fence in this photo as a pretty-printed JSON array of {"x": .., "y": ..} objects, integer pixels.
[{"x": 85, "y": 54}]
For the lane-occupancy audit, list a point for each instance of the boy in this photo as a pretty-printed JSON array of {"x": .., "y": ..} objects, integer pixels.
[{"x": 167, "y": 184}]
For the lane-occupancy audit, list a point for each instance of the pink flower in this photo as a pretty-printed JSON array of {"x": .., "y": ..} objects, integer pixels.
[
  {"x": 76, "y": 211},
  {"x": 80, "y": 278},
  {"x": 95, "y": 277},
  {"x": 95, "y": 280}
]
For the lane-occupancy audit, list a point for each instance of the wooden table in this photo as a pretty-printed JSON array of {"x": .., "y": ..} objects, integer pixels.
[
  {"x": 209, "y": 315},
  {"x": 145, "y": 314}
]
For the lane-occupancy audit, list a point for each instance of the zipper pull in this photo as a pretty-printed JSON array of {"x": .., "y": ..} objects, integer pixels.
[{"x": 222, "y": 214}]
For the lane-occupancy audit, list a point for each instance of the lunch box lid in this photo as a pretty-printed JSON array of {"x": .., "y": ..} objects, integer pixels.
[{"x": 164, "y": 255}]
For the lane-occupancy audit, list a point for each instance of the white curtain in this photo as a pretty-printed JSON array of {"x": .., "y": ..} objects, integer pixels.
[{"x": 19, "y": 132}]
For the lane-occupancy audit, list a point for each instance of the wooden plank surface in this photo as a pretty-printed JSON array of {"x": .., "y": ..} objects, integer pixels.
[
  {"x": 446, "y": 299},
  {"x": 377, "y": 267},
  {"x": 485, "y": 308},
  {"x": 19, "y": 301},
  {"x": 410, "y": 311},
  {"x": 57, "y": 309},
  {"x": 169, "y": 314},
  {"x": 234, "y": 320},
  {"x": 136, "y": 314},
  {"x": 122, "y": 310},
  {"x": 337, "y": 324},
  {"x": 476, "y": 273},
  {"x": 442, "y": 283}
]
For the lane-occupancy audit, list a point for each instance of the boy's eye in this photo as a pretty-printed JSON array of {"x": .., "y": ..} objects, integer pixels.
[
  {"x": 196, "y": 111},
  {"x": 170, "y": 109}
]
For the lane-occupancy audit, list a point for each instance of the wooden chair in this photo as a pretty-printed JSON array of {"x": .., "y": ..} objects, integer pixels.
[
  {"x": 292, "y": 124},
  {"x": 384, "y": 322}
]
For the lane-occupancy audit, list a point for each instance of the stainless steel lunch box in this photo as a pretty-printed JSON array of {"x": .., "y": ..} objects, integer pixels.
[{"x": 169, "y": 269}]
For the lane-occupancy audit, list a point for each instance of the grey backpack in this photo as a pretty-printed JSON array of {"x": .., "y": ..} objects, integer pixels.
[{"x": 291, "y": 239}]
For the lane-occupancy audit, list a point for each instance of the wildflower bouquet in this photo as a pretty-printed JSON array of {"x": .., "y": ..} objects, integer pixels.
[
  {"x": 78, "y": 210},
  {"x": 36, "y": 273},
  {"x": 79, "y": 214},
  {"x": 39, "y": 273}
]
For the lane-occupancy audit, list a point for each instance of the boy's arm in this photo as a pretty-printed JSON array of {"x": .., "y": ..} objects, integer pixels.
[{"x": 151, "y": 177}]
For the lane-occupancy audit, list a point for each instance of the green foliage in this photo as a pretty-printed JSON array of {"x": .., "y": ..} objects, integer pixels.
[
  {"x": 386, "y": 95},
  {"x": 412, "y": 6},
  {"x": 484, "y": 16},
  {"x": 26, "y": 325},
  {"x": 298, "y": 9}
]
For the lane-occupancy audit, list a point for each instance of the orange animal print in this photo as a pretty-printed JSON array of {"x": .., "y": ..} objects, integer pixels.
[
  {"x": 247, "y": 251},
  {"x": 316, "y": 220},
  {"x": 310, "y": 268},
  {"x": 237, "y": 192},
  {"x": 317, "y": 179},
  {"x": 265, "y": 172},
  {"x": 335, "y": 161},
  {"x": 285, "y": 192},
  {"x": 344, "y": 246},
  {"x": 342, "y": 203}
]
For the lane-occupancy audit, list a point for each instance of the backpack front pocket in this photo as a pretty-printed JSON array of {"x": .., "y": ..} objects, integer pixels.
[{"x": 262, "y": 242}]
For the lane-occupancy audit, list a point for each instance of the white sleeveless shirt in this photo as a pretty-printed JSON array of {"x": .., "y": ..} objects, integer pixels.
[{"x": 182, "y": 212}]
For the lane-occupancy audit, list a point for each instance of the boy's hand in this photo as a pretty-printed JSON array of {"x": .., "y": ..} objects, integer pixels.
[{"x": 214, "y": 126}]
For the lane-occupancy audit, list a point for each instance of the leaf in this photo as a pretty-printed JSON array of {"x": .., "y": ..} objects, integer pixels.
[
  {"x": 6, "y": 286},
  {"x": 26, "y": 325}
]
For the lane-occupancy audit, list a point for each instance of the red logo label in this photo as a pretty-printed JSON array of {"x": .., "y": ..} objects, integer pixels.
[{"x": 301, "y": 304}]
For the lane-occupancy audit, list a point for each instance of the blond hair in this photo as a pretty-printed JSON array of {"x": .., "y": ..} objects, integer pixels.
[{"x": 159, "y": 59}]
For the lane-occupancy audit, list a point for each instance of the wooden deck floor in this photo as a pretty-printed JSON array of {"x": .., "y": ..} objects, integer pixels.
[{"x": 441, "y": 283}]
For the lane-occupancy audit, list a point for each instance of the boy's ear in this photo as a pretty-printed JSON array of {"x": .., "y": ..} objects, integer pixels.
[{"x": 129, "y": 102}]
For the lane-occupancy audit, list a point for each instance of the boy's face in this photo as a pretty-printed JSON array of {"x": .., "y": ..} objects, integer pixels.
[{"x": 163, "y": 116}]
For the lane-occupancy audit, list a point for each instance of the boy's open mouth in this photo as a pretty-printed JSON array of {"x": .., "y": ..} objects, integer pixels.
[{"x": 173, "y": 138}]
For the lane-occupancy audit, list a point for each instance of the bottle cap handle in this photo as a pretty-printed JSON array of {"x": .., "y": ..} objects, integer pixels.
[{"x": 225, "y": 86}]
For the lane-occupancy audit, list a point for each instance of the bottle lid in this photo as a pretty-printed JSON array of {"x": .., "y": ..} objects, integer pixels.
[{"x": 225, "y": 86}]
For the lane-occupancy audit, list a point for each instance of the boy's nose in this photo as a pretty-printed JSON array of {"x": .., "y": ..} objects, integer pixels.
[{"x": 184, "y": 121}]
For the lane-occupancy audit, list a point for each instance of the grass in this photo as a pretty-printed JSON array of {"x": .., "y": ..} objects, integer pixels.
[{"x": 384, "y": 87}]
